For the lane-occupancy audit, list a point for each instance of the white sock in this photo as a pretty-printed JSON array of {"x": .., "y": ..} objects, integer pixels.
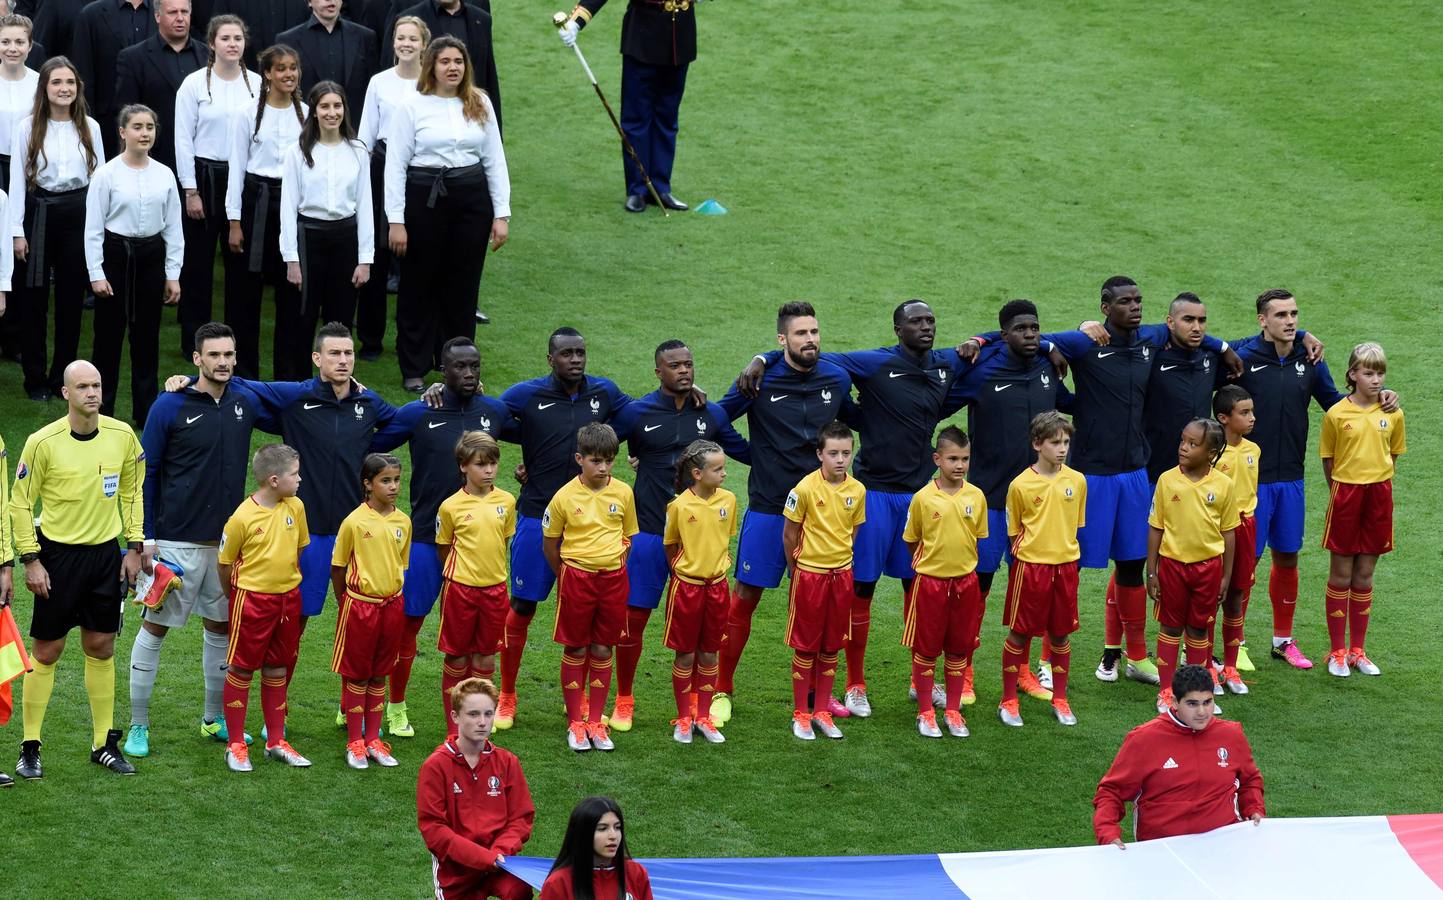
[
  {"x": 144, "y": 660},
  {"x": 1280, "y": 641},
  {"x": 212, "y": 660}
]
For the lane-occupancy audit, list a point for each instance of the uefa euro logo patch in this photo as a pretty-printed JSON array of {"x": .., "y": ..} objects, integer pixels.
[
  {"x": 1211, "y": 497},
  {"x": 290, "y": 522},
  {"x": 611, "y": 509}
]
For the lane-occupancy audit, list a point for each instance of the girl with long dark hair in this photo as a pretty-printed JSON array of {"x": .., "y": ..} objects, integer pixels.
[
  {"x": 326, "y": 237},
  {"x": 206, "y": 107},
  {"x": 54, "y": 152},
  {"x": 594, "y": 863},
  {"x": 252, "y": 206}
]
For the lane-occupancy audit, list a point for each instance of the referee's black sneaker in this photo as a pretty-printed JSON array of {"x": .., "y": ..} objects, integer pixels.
[
  {"x": 110, "y": 755},
  {"x": 6, "y": 781},
  {"x": 29, "y": 765}
]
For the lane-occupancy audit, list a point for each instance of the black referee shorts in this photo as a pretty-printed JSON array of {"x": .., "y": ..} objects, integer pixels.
[{"x": 85, "y": 590}]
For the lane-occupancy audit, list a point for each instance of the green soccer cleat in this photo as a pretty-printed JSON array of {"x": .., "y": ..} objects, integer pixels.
[
  {"x": 721, "y": 708},
  {"x": 137, "y": 741},
  {"x": 398, "y": 721},
  {"x": 1142, "y": 670},
  {"x": 216, "y": 730},
  {"x": 340, "y": 717},
  {"x": 1245, "y": 662}
]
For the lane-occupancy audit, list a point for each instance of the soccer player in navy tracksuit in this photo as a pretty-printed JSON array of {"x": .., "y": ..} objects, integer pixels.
[
  {"x": 1111, "y": 450},
  {"x": 1009, "y": 383},
  {"x": 1184, "y": 376},
  {"x": 549, "y": 411},
  {"x": 657, "y": 428},
  {"x": 901, "y": 392},
  {"x": 197, "y": 458},
  {"x": 433, "y": 432},
  {"x": 799, "y": 394}
]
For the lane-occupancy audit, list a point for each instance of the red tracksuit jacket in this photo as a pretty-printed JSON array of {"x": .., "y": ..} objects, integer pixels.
[
  {"x": 468, "y": 816},
  {"x": 1180, "y": 781},
  {"x": 603, "y": 884}
]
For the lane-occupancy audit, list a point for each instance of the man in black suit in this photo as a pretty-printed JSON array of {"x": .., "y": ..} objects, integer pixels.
[
  {"x": 658, "y": 43},
  {"x": 105, "y": 28},
  {"x": 334, "y": 49},
  {"x": 471, "y": 25},
  {"x": 55, "y": 25},
  {"x": 151, "y": 71}
]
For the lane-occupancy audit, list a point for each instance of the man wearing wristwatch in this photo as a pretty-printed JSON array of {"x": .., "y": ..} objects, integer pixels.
[{"x": 83, "y": 475}]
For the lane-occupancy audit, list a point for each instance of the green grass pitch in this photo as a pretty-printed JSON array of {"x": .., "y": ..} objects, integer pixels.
[{"x": 966, "y": 154}]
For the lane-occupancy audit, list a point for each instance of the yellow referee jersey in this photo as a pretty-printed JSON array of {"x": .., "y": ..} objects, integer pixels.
[
  {"x": 704, "y": 529},
  {"x": 829, "y": 515},
  {"x": 595, "y": 527},
  {"x": 476, "y": 529},
  {"x": 1240, "y": 463},
  {"x": 1362, "y": 441},
  {"x": 263, "y": 546},
  {"x": 946, "y": 527},
  {"x": 1193, "y": 515},
  {"x": 375, "y": 550},
  {"x": 1043, "y": 515},
  {"x": 83, "y": 487},
  {"x": 6, "y": 544}
]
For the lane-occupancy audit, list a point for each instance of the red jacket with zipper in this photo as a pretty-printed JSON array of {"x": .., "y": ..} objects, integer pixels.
[
  {"x": 1180, "y": 781},
  {"x": 469, "y": 816}
]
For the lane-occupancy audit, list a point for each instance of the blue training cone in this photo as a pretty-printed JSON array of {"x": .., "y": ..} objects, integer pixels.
[{"x": 711, "y": 208}]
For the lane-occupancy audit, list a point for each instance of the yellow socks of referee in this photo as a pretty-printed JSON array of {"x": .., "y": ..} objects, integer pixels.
[
  {"x": 100, "y": 687},
  {"x": 38, "y": 684}
]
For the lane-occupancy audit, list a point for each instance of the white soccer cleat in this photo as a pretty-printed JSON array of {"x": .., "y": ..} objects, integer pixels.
[
  {"x": 1338, "y": 664},
  {"x": 1009, "y": 715},
  {"x": 237, "y": 758},
  {"x": 284, "y": 752},
  {"x": 681, "y": 730},
  {"x": 956, "y": 725},
  {"x": 356, "y": 755},
  {"x": 380, "y": 753},
  {"x": 802, "y": 727},
  {"x": 708, "y": 730},
  {"x": 822, "y": 722},
  {"x": 1044, "y": 674},
  {"x": 1234, "y": 681},
  {"x": 1107, "y": 668},
  {"x": 1360, "y": 661},
  {"x": 577, "y": 738},
  {"x": 857, "y": 703},
  {"x": 927, "y": 725}
]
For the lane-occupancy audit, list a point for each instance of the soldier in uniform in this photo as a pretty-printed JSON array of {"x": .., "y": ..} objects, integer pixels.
[{"x": 658, "y": 43}]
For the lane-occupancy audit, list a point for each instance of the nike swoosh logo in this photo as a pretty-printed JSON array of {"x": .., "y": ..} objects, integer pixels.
[
  {"x": 310, "y": 406},
  {"x": 1166, "y": 368},
  {"x": 434, "y": 424},
  {"x": 782, "y": 397},
  {"x": 999, "y": 388},
  {"x": 545, "y": 405},
  {"x": 895, "y": 374},
  {"x": 189, "y": 420},
  {"x": 651, "y": 428},
  {"x": 1255, "y": 368},
  {"x": 1106, "y": 355}
]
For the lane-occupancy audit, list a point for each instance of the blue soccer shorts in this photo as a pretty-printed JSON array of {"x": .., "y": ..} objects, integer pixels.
[
  {"x": 316, "y": 573},
  {"x": 1117, "y": 507},
  {"x": 879, "y": 548},
  {"x": 761, "y": 560},
  {"x": 1282, "y": 509},
  {"x": 646, "y": 570},
  {"x": 423, "y": 579},
  {"x": 996, "y": 547},
  {"x": 531, "y": 578}
]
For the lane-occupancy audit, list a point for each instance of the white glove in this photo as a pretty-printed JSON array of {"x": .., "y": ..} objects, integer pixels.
[{"x": 568, "y": 32}]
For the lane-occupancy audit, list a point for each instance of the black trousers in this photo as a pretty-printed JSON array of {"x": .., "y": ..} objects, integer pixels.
[
  {"x": 246, "y": 278},
  {"x": 371, "y": 310},
  {"x": 328, "y": 254},
  {"x": 10, "y": 322},
  {"x": 448, "y": 224},
  {"x": 55, "y": 230},
  {"x": 135, "y": 268},
  {"x": 197, "y": 272}
]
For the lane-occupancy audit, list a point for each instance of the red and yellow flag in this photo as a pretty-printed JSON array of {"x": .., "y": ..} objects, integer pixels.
[{"x": 13, "y": 661}]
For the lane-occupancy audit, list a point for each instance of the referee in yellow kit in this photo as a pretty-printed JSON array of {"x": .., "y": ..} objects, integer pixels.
[{"x": 83, "y": 474}]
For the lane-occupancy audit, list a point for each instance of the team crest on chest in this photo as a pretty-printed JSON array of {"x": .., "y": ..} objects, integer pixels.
[
  {"x": 1067, "y": 492},
  {"x": 1207, "y": 363},
  {"x": 493, "y": 786},
  {"x": 595, "y": 406},
  {"x": 360, "y": 411},
  {"x": 1145, "y": 353},
  {"x": 700, "y": 425},
  {"x": 1222, "y": 757},
  {"x": 826, "y": 395},
  {"x": 611, "y": 509},
  {"x": 1300, "y": 369},
  {"x": 1383, "y": 424},
  {"x": 239, "y": 413},
  {"x": 400, "y": 535},
  {"x": 942, "y": 375},
  {"x": 1046, "y": 379},
  {"x": 485, "y": 424},
  {"x": 849, "y": 501},
  {"x": 500, "y": 512},
  {"x": 723, "y": 512},
  {"x": 290, "y": 522},
  {"x": 1211, "y": 497}
]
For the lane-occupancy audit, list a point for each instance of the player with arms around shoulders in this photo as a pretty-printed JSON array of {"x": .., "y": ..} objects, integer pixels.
[
  {"x": 1184, "y": 772},
  {"x": 1360, "y": 445},
  {"x": 473, "y": 805}
]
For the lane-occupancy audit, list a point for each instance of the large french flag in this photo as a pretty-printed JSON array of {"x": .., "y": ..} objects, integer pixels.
[{"x": 1394, "y": 857}]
